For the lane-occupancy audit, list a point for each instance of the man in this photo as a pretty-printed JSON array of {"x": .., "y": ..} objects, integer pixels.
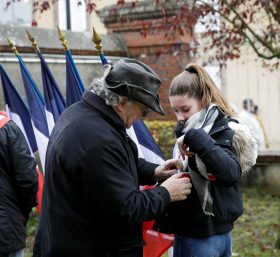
[
  {"x": 92, "y": 205},
  {"x": 249, "y": 118},
  {"x": 18, "y": 188}
]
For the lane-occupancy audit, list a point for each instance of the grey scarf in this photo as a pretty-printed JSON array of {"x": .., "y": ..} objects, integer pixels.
[{"x": 203, "y": 119}]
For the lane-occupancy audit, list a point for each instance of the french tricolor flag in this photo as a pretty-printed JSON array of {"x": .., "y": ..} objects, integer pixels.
[
  {"x": 74, "y": 85},
  {"x": 54, "y": 100},
  {"x": 147, "y": 147},
  {"x": 17, "y": 111},
  {"x": 37, "y": 112}
]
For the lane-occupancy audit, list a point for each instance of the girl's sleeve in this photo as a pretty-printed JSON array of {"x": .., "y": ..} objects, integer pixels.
[{"x": 220, "y": 161}]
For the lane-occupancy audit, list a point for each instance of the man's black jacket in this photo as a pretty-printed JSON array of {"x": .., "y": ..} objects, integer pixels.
[
  {"x": 186, "y": 218},
  {"x": 91, "y": 203},
  {"x": 18, "y": 187}
]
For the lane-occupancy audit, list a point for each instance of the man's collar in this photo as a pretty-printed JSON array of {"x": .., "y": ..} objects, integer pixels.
[{"x": 94, "y": 101}]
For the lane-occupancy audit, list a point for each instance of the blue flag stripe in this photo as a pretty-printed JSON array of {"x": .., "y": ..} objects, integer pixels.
[
  {"x": 35, "y": 101},
  {"x": 145, "y": 138},
  {"x": 22, "y": 65},
  {"x": 68, "y": 53},
  {"x": 17, "y": 105},
  {"x": 53, "y": 97},
  {"x": 103, "y": 59},
  {"x": 74, "y": 85}
]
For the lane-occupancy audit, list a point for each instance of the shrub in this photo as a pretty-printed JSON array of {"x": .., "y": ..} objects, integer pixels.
[{"x": 163, "y": 134}]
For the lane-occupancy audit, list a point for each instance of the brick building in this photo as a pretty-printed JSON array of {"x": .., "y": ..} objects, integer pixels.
[{"x": 146, "y": 49}]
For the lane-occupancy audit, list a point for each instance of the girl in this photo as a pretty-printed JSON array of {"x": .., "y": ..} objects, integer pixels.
[{"x": 215, "y": 150}]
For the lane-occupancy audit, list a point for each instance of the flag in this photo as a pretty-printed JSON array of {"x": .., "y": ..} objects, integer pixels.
[
  {"x": 157, "y": 243},
  {"x": 54, "y": 100},
  {"x": 37, "y": 112},
  {"x": 103, "y": 59},
  {"x": 74, "y": 84},
  {"x": 17, "y": 111},
  {"x": 148, "y": 145}
]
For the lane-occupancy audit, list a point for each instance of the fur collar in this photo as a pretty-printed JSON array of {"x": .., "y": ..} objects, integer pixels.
[{"x": 245, "y": 146}]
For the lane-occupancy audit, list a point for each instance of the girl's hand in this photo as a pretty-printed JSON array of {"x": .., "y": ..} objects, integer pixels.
[
  {"x": 168, "y": 169},
  {"x": 183, "y": 148}
]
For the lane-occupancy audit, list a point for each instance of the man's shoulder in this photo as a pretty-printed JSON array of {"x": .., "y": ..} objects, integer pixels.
[
  {"x": 82, "y": 132},
  {"x": 86, "y": 125}
]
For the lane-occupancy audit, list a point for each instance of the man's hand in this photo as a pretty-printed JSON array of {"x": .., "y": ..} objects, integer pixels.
[
  {"x": 182, "y": 148},
  {"x": 168, "y": 169},
  {"x": 177, "y": 187}
]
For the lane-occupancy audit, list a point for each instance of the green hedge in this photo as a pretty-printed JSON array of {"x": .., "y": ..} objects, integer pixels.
[{"x": 163, "y": 133}]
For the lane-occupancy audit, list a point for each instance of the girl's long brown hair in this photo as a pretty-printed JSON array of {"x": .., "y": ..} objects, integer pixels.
[{"x": 200, "y": 86}]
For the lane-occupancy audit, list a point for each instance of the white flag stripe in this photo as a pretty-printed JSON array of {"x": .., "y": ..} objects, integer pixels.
[
  {"x": 132, "y": 135},
  {"x": 42, "y": 142},
  {"x": 8, "y": 111},
  {"x": 150, "y": 156},
  {"x": 144, "y": 152},
  {"x": 15, "y": 118},
  {"x": 50, "y": 121}
]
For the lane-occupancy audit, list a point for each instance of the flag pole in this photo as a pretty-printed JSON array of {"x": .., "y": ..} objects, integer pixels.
[
  {"x": 23, "y": 66},
  {"x": 31, "y": 38},
  {"x": 12, "y": 45},
  {"x": 36, "y": 107},
  {"x": 74, "y": 84},
  {"x": 40, "y": 178},
  {"x": 64, "y": 42},
  {"x": 97, "y": 41},
  {"x": 54, "y": 100},
  {"x": 62, "y": 39}
]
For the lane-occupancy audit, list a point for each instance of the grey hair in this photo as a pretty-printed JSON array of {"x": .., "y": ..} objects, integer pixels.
[{"x": 110, "y": 97}]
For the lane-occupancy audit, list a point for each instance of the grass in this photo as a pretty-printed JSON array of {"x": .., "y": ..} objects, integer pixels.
[
  {"x": 254, "y": 234},
  {"x": 31, "y": 229}
]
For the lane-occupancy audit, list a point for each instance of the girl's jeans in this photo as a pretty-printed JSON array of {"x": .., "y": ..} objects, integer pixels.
[{"x": 217, "y": 245}]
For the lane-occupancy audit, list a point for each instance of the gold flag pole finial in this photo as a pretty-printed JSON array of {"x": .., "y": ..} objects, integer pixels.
[
  {"x": 31, "y": 38},
  {"x": 62, "y": 39},
  {"x": 12, "y": 45},
  {"x": 97, "y": 40}
]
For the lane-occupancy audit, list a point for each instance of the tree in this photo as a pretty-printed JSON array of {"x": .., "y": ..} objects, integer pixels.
[{"x": 229, "y": 25}]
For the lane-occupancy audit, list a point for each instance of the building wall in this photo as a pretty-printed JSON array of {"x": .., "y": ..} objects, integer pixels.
[
  {"x": 247, "y": 79},
  {"x": 167, "y": 66},
  {"x": 18, "y": 13},
  {"x": 45, "y": 20},
  {"x": 264, "y": 176},
  {"x": 87, "y": 71},
  {"x": 56, "y": 15},
  {"x": 157, "y": 51},
  {"x": 95, "y": 20},
  {"x": 82, "y": 49},
  {"x": 50, "y": 18}
]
